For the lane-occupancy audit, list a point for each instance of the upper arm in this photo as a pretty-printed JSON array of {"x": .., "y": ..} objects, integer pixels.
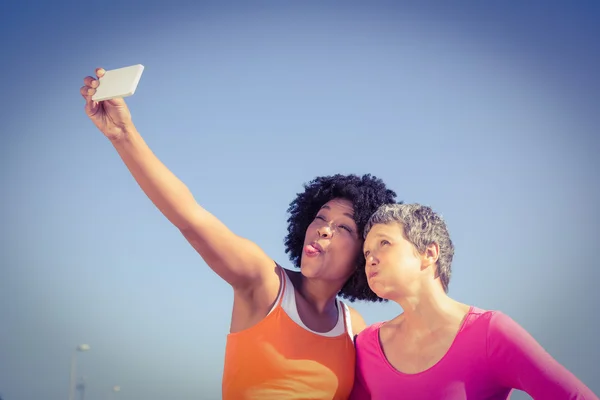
[
  {"x": 237, "y": 260},
  {"x": 358, "y": 322},
  {"x": 520, "y": 362}
]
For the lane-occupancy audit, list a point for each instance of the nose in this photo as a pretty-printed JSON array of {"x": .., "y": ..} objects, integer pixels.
[
  {"x": 371, "y": 260},
  {"x": 324, "y": 231}
]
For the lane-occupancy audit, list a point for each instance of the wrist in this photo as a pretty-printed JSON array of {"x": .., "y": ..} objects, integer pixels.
[{"x": 126, "y": 133}]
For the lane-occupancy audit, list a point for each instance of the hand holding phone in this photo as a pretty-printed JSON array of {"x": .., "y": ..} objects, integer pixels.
[{"x": 104, "y": 103}]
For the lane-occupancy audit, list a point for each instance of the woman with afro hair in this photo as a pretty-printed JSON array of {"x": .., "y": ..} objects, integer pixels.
[{"x": 290, "y": 336}]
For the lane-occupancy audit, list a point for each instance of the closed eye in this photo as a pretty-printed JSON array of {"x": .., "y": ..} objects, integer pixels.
[{"x": 346, "y": 228}]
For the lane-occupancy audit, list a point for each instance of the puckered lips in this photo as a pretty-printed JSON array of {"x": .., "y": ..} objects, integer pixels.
[
  {"x": 372, "y": 273},
  {"x": 313, "y": 249}
]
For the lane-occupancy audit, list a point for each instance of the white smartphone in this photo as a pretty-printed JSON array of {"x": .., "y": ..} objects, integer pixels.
[{"x": 120, "y": 82}]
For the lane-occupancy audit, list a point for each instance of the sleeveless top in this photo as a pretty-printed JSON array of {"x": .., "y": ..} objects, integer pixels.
[{"x": 281, "y": 358}]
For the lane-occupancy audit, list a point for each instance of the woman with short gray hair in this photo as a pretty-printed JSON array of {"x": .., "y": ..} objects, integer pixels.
[{"x": 439, "y": 348}]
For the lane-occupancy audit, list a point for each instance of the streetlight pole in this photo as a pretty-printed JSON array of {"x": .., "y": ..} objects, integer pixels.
[
  {"x": 73, "y": 380},
  {"x": 81, "y": 387}
]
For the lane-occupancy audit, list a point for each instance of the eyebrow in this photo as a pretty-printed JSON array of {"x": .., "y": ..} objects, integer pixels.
[{"x": 346, "y": 214}]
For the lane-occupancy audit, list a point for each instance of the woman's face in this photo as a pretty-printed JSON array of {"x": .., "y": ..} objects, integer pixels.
[
  {"x": 393, "y": 264},
  {"x": 331, "y": 243}
]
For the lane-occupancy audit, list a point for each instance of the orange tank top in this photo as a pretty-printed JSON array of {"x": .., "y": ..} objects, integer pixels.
[{"x": 279, "y": 359}]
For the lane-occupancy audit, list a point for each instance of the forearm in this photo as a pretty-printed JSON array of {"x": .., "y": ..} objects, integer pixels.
[{"x": 168, "y": 193}]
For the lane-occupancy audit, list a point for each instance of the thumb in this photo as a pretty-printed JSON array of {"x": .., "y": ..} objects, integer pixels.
[{"x": 91, "y": 106}]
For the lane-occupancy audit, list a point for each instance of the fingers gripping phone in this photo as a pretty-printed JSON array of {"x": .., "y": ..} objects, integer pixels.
[{"x": 121, "y": 82}]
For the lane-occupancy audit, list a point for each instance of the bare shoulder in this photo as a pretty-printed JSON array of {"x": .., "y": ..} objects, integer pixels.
[
  {"x": 295, "y": 277},
  {"x": 358, "y": 322}
]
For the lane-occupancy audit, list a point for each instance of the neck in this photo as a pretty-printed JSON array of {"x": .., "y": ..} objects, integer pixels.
[
  {"x": 319, "y": 294},
  {"x": 429, "y": 308}
]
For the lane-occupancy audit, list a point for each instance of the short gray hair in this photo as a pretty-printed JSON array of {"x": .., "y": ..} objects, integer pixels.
[{"x": 422, "y": 227}]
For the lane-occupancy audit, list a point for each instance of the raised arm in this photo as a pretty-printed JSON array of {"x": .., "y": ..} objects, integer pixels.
[
  {"x": 237, "y": 260},
  {"x": 520, "y": 362}
]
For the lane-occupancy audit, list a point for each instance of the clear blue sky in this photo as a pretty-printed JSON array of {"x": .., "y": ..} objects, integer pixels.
[{"x": 488, "y": 113}]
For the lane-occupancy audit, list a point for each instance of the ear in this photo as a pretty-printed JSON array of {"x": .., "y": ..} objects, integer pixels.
[{"x": 431, "y": 255}]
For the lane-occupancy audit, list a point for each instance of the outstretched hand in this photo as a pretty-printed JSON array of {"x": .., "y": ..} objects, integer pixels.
[{"x": 112, "y": 117}]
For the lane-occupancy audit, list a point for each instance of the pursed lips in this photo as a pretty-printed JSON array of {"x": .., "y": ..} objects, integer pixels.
[
  {"x": 313, "y": 249},
  {"x": 317, "y": 246}
]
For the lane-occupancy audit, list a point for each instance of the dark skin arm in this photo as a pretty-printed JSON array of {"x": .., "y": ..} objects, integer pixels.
[{"x": 240, "y": 262}]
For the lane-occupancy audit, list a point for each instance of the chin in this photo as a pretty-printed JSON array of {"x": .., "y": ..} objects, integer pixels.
[
  {"x": 310, "y": 268},
  {"x": 307, "y": 272},
  {"x": 380, "y": 290}
]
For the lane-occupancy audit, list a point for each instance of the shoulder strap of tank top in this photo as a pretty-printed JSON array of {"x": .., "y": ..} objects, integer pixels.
[
  {"x": 283, "y": 278},
  {"x": 282, "y": 285}
]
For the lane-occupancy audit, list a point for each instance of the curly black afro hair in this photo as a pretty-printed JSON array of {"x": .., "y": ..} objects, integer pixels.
[{"x": 366, "y": 193}]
